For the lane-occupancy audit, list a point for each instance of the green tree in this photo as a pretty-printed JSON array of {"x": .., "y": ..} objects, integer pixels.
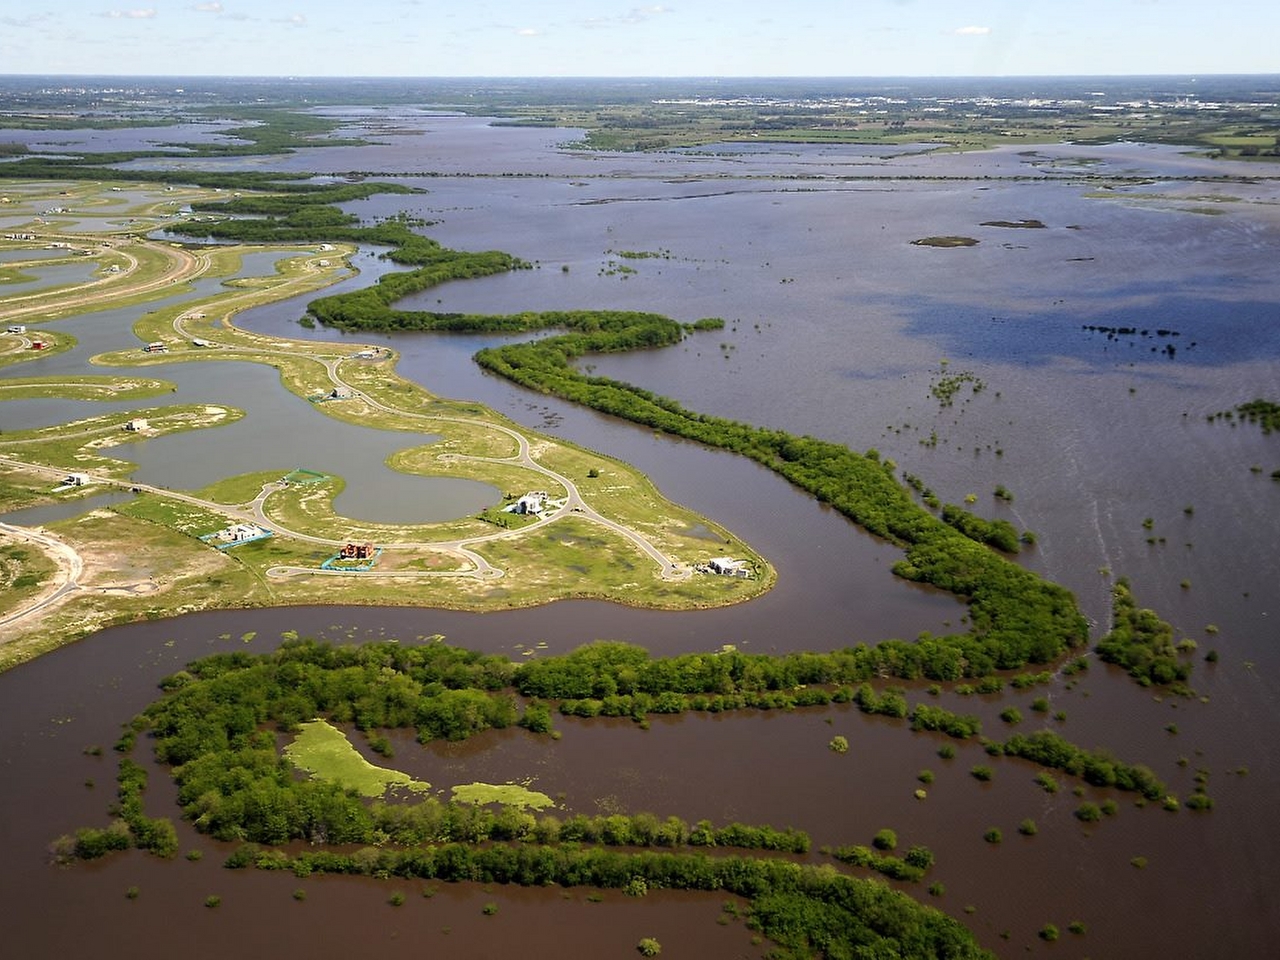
[{"x": 885, "y": 839}]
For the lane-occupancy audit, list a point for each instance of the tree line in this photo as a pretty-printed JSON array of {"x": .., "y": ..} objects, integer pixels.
[
  {"x": 805, "y": 910},
  {"x": 219, "y": 724}
]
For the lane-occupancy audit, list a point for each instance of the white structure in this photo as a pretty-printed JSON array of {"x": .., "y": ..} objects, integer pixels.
[
  {"x": 155, "y": 346},
  {"x": 17, "y": 328},
  {"x": 728, "y": 567},
  {"x": 341, "y": 393},
  {"x": 239, "y": 532},
  {"x": 197, "y": 342},
  {"x": 136, "y": 425},
  {"x": 76, "y": 480},
  {"x": 530, "y": 503}
]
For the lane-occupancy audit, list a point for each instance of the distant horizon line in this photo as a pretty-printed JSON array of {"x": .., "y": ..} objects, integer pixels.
[{"x": 1193, "y": 75}]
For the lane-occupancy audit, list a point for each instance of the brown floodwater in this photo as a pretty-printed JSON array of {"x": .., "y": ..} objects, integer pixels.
[{"x": 836, "y": 326}]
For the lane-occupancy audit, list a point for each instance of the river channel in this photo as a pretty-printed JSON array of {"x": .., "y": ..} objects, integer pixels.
[{"x": 837, "y": 326}]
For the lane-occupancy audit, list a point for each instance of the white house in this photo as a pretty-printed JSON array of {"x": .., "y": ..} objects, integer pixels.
[
  {"x": 239, "y": 531},
  {"x": 17, "y": 328},
  {"x": 728, "y": 567},
  {"x": 76, "y": 480},
  {"x": 530, "y": 503},
  {"x": 136, "y": 425}
]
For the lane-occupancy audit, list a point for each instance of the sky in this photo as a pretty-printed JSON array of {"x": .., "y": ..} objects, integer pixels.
[{"x": 607, "y": 38}]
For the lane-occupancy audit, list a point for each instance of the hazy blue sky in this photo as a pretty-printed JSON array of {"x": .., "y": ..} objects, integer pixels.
[{"x": 616, "y": 38}]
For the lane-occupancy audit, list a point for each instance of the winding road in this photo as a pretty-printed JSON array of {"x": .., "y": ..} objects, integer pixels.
[
  {"x": 574, "y": 503},
  {"x": 184, "y": 266},
  {"x": 70, "y": 568}
]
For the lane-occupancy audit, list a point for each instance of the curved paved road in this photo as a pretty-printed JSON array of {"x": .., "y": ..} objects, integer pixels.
[
  {"x": 183, "y": 265},
  {"x": 574, "y": 502},
  {"x": 187, "y": 266}
]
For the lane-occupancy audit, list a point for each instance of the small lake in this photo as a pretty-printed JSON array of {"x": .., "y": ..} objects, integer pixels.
[
  {"x": 26, "y": 254},
  {"x": 53, "y": 512},
  {"x": 40, "y": 279}
]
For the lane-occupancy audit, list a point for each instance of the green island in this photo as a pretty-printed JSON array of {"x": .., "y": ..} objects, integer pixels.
[{"x": 234, "y": 729}]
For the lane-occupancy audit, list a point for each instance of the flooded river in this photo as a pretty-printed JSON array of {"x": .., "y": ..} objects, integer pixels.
[{"x": 837, "y": 326}]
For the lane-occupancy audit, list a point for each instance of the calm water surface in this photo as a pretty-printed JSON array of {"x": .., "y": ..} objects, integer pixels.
[{"x": 836, "y": 326}]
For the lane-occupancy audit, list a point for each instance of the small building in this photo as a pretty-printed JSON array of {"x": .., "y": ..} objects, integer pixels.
[
  {"x": 326, "y": 247},
  {"x": 341, "y": 393},
  {"x": 530, "y": 504},
  {"x": 198, "y": 342},
  {"x": 239, "y": 533},
  {"x": 728, "y": 567},
  {"x": 365, "y": 354},
  {"x": 136, "y": 425},
  {"x": 357, "y": 551},
  {"x": 156, "y": 346},
  {"x": 18, "y": 328},
  {"x": 322, "y": 263},
  {"x": 75, "y": 480},
  {"x": 235, "y": 534},
  {"x": 37, "y": 344}
]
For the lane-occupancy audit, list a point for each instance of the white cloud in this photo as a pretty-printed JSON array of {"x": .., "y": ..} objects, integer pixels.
[
  {"x": 971, "y": 31},
  {"x": 296, "y": 20},
  {"x": 214, "y": 7},
  {"x": 147, "y": 13},
  {"x": 528, "y": 32}
]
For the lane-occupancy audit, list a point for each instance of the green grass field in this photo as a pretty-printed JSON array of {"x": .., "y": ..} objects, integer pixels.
[{"x": 325, "y": 752}]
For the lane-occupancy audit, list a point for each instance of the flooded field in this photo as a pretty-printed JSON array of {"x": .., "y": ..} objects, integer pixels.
[{"x": 839, "y": 327}]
